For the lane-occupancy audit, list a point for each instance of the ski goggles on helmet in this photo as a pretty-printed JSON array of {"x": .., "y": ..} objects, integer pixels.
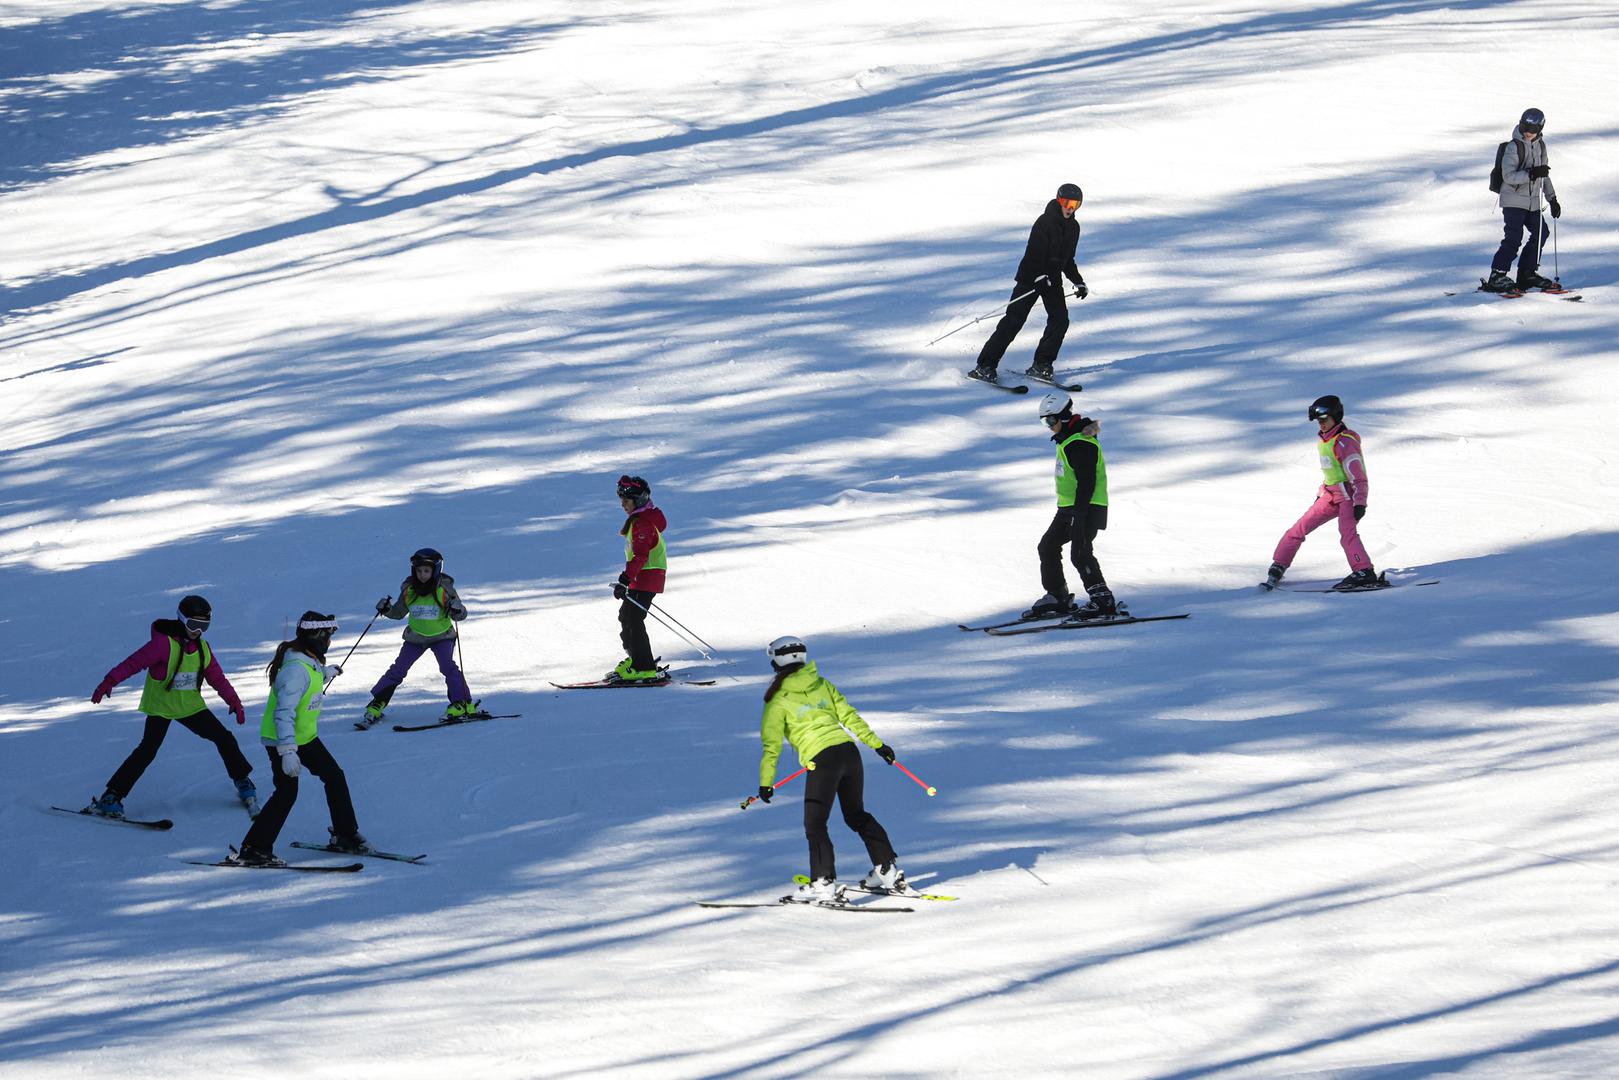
[
  {"x": 1068, "y": 204},
  {"x": 199, "y": 623},
  {"x": 1320, "y": 412}
]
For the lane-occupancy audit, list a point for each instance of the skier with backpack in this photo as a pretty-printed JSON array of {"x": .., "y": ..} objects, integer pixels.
[
  {"x": 807, "y": 711},
  {"x": 177, "y": 661},
  {"x": 299, "y": 676},
  {"x": 1048, "y": 257},
  {"x": 1081, "y": 513},
  {"x": 1342, "y": 496},
  {"x": 646, "y": 563},
  {"x": 430, "y": 606},
  {"x": 1522, "y": 175}
]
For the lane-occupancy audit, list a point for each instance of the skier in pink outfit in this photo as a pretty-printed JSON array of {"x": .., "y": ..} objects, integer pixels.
[{"x": 1342, "y": 496}]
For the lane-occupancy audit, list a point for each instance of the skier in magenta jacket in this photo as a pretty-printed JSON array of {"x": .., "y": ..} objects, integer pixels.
[{"x": 1342, "y": 495}]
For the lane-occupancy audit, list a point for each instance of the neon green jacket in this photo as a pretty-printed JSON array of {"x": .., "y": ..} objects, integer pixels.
[{"x": 808, "y": 712}]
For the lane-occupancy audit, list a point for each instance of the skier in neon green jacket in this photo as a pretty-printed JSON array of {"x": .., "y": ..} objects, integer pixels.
[{"x": 806, "y": 710}]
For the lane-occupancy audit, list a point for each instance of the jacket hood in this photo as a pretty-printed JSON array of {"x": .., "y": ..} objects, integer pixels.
[{"x": 170, "y": 628}]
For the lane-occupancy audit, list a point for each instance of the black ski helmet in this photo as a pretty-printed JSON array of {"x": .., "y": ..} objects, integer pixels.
[
  {"x": 315, "y": 632},
  {"x": 427, "y": 557},
  {"x": 1531, "y": 122},
  {"x": 195, "y": 612},
  {"x": 635, "y": 489},
  {"x": 1071, "y": 191},
  {"x": 1327, "y": 405}
]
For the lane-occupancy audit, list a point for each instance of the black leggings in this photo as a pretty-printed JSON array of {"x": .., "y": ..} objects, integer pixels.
[
  {"x": 1077, "y": 527},
  {"x": 203, "y": 724},
  {"x": 320, "y": 763},
  {"x": 838, "y": 773}
]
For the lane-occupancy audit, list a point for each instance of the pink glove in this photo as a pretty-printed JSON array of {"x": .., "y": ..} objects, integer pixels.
[
  {"x": 101, "y": 691},
  {"x": 241, "y": 714}
]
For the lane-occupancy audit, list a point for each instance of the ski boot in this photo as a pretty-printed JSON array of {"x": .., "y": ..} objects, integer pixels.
[
  {"x": 1102, "y": 605},
  {"x": 637, "y": 675},
  {"x": 1499, "y": 282},
  {"x": 1049, "y": 606},
  {"x": 250, "y": 856},
  {"x": 983, "y": 374},
  {"x": 373, "y": 712},
  {"x": 819, "y": 891},
  {"x": 249, "y": 795},
  {"x": 461, "y": 710},
  {"x": 885, "y": 877},
  {"x": 1533, "y": 280},
  {"x": 107, "y": 804},
  {"x": 1043, "y": 372},
  {"x": 1273, "y": 576},
  {"x": 352, "y": 844},
  {"x": 1360, "y": 580}
]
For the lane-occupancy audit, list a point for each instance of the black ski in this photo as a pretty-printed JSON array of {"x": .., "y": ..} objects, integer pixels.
[
  {"x": 624, "y": 684},
  {"x": 308, "y": 868},
  {"x": 1072, "y": 388},
  {"x": 447, "y": 721},
  {"x": 1086, "y": 624},
  {"x": 1023, "y": 619},
  {"x": 873, "y": 909},
  {"x": 366, "y": 854},
  {"x": 1378, "y": 586},
  {"x": 160, "y": 824},
  {"x": 1010, "y": 388}
]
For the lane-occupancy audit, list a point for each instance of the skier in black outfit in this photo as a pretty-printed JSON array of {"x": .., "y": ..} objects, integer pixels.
[
  {"x": 1081, "y": 514},
  {"x": 1048, "y": 258}
]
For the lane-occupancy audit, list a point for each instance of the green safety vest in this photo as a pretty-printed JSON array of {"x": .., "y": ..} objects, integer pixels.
[
  {"x": 1068, "y": 483},
  {"x": 1331, "y": 468},
  {"x": 657, "y": 558},
  {"x": 179, "y": 692},
  {"x": 308, "y": 712},
  {"x": 429, "y": 616}
]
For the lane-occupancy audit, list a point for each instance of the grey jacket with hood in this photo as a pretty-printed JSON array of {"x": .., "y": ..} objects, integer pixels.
[{"x": 1518, "y": 189}]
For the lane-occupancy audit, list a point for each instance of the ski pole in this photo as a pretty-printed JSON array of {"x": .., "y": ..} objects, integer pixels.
[
  {"x": 1557, "y": 277},
  {"x": 683, "y": 626},
  {"x": 754, "y": 798},
  {"x": 358, "y": 640},
  {"x": 665, "y": 622},
  {"x": 990, "y": 314},
  {"x": 930, "y": 790}
]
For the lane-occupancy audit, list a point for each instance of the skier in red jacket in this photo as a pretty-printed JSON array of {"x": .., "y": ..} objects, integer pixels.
[{"x": 645, "y": 561}]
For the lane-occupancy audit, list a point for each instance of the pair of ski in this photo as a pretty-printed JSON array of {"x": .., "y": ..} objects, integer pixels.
[
  {"x": 159, "y": 824},
  {"x": 313, "y": 868},
  {"x": 615, "y": 683},
  {"x": 1379, "y": 585},
  {"x": 1514, "y": 294},
  {"x": 855, "y": 887},
  {"x": 1019, "y": 388},
  {"x": 1040, "y": 624}
]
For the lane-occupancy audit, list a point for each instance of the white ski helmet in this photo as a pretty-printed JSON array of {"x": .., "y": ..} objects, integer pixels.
[
  {"x": 785, "y": 650},
  {"x": 1056, "y": 403}
]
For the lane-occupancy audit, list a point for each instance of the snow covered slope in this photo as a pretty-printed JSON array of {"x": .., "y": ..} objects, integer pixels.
[{"x": 291, "y": 289}]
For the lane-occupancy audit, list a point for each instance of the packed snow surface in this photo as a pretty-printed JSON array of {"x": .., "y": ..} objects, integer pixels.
[{"x": 293, "y": 288}]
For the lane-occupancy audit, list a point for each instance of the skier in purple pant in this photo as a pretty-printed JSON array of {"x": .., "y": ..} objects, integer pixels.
[{"x": 428, "y": 602}]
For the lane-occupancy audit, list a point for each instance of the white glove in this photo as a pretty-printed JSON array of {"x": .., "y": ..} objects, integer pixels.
[{"x": 290, "y": 765}]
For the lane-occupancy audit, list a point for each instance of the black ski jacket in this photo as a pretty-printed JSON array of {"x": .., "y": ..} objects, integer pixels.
[{"x": 1052, "y": 241}]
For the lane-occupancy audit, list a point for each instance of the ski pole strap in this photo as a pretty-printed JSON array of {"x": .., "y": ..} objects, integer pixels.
[
  {"x": 926, "y": 787},
  {"x": 754, "y": 798}
]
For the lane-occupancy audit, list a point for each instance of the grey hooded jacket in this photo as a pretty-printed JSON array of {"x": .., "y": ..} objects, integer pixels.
[{"x": 1517, "y": 188}]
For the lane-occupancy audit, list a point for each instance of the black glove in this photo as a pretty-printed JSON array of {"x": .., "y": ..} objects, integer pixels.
[
  {"x": 1079, "y": 288},
  {"x": 384, "y": 604},
  {"x": 765, "y": 792},
  {"x": 886, "y": 752},
  {"x": 1557, "y": 208},
  {"x": 1360, "y": 512},
  {"x": 620, "y": 590},
  {"x": 458, "y": 610},
  {"x": 1539, "y": 172}
]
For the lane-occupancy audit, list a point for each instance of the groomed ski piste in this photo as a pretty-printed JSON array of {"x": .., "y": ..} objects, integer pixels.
[{"x": 292, "y": 289}]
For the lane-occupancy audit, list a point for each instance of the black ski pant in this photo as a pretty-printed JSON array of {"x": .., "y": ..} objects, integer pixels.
[
  {"x": 839, "y": 774},
  {"x": 203, "y": 724},
  {"x": 632, "y": 628},
  {"x": 1045, "y": 353},
  {"x": 1077, "y": 527},
  {"x": 314, "y": 756}
]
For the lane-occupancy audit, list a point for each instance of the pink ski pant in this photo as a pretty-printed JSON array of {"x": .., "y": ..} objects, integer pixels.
[{"x": 1318, "y": 515}]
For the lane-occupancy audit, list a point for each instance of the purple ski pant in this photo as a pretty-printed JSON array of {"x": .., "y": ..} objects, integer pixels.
[
  {"x": 1324, "y": 510},
  {"x": 455, "y": 683}
]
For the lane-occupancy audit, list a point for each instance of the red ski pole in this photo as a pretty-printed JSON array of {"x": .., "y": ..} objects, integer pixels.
[
  {"x": 754, "y": 798},
  {"x": 918, "y": 779}
]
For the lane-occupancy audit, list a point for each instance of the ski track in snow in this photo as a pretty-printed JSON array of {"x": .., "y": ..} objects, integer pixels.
[{"x": 292, "y": 290}]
